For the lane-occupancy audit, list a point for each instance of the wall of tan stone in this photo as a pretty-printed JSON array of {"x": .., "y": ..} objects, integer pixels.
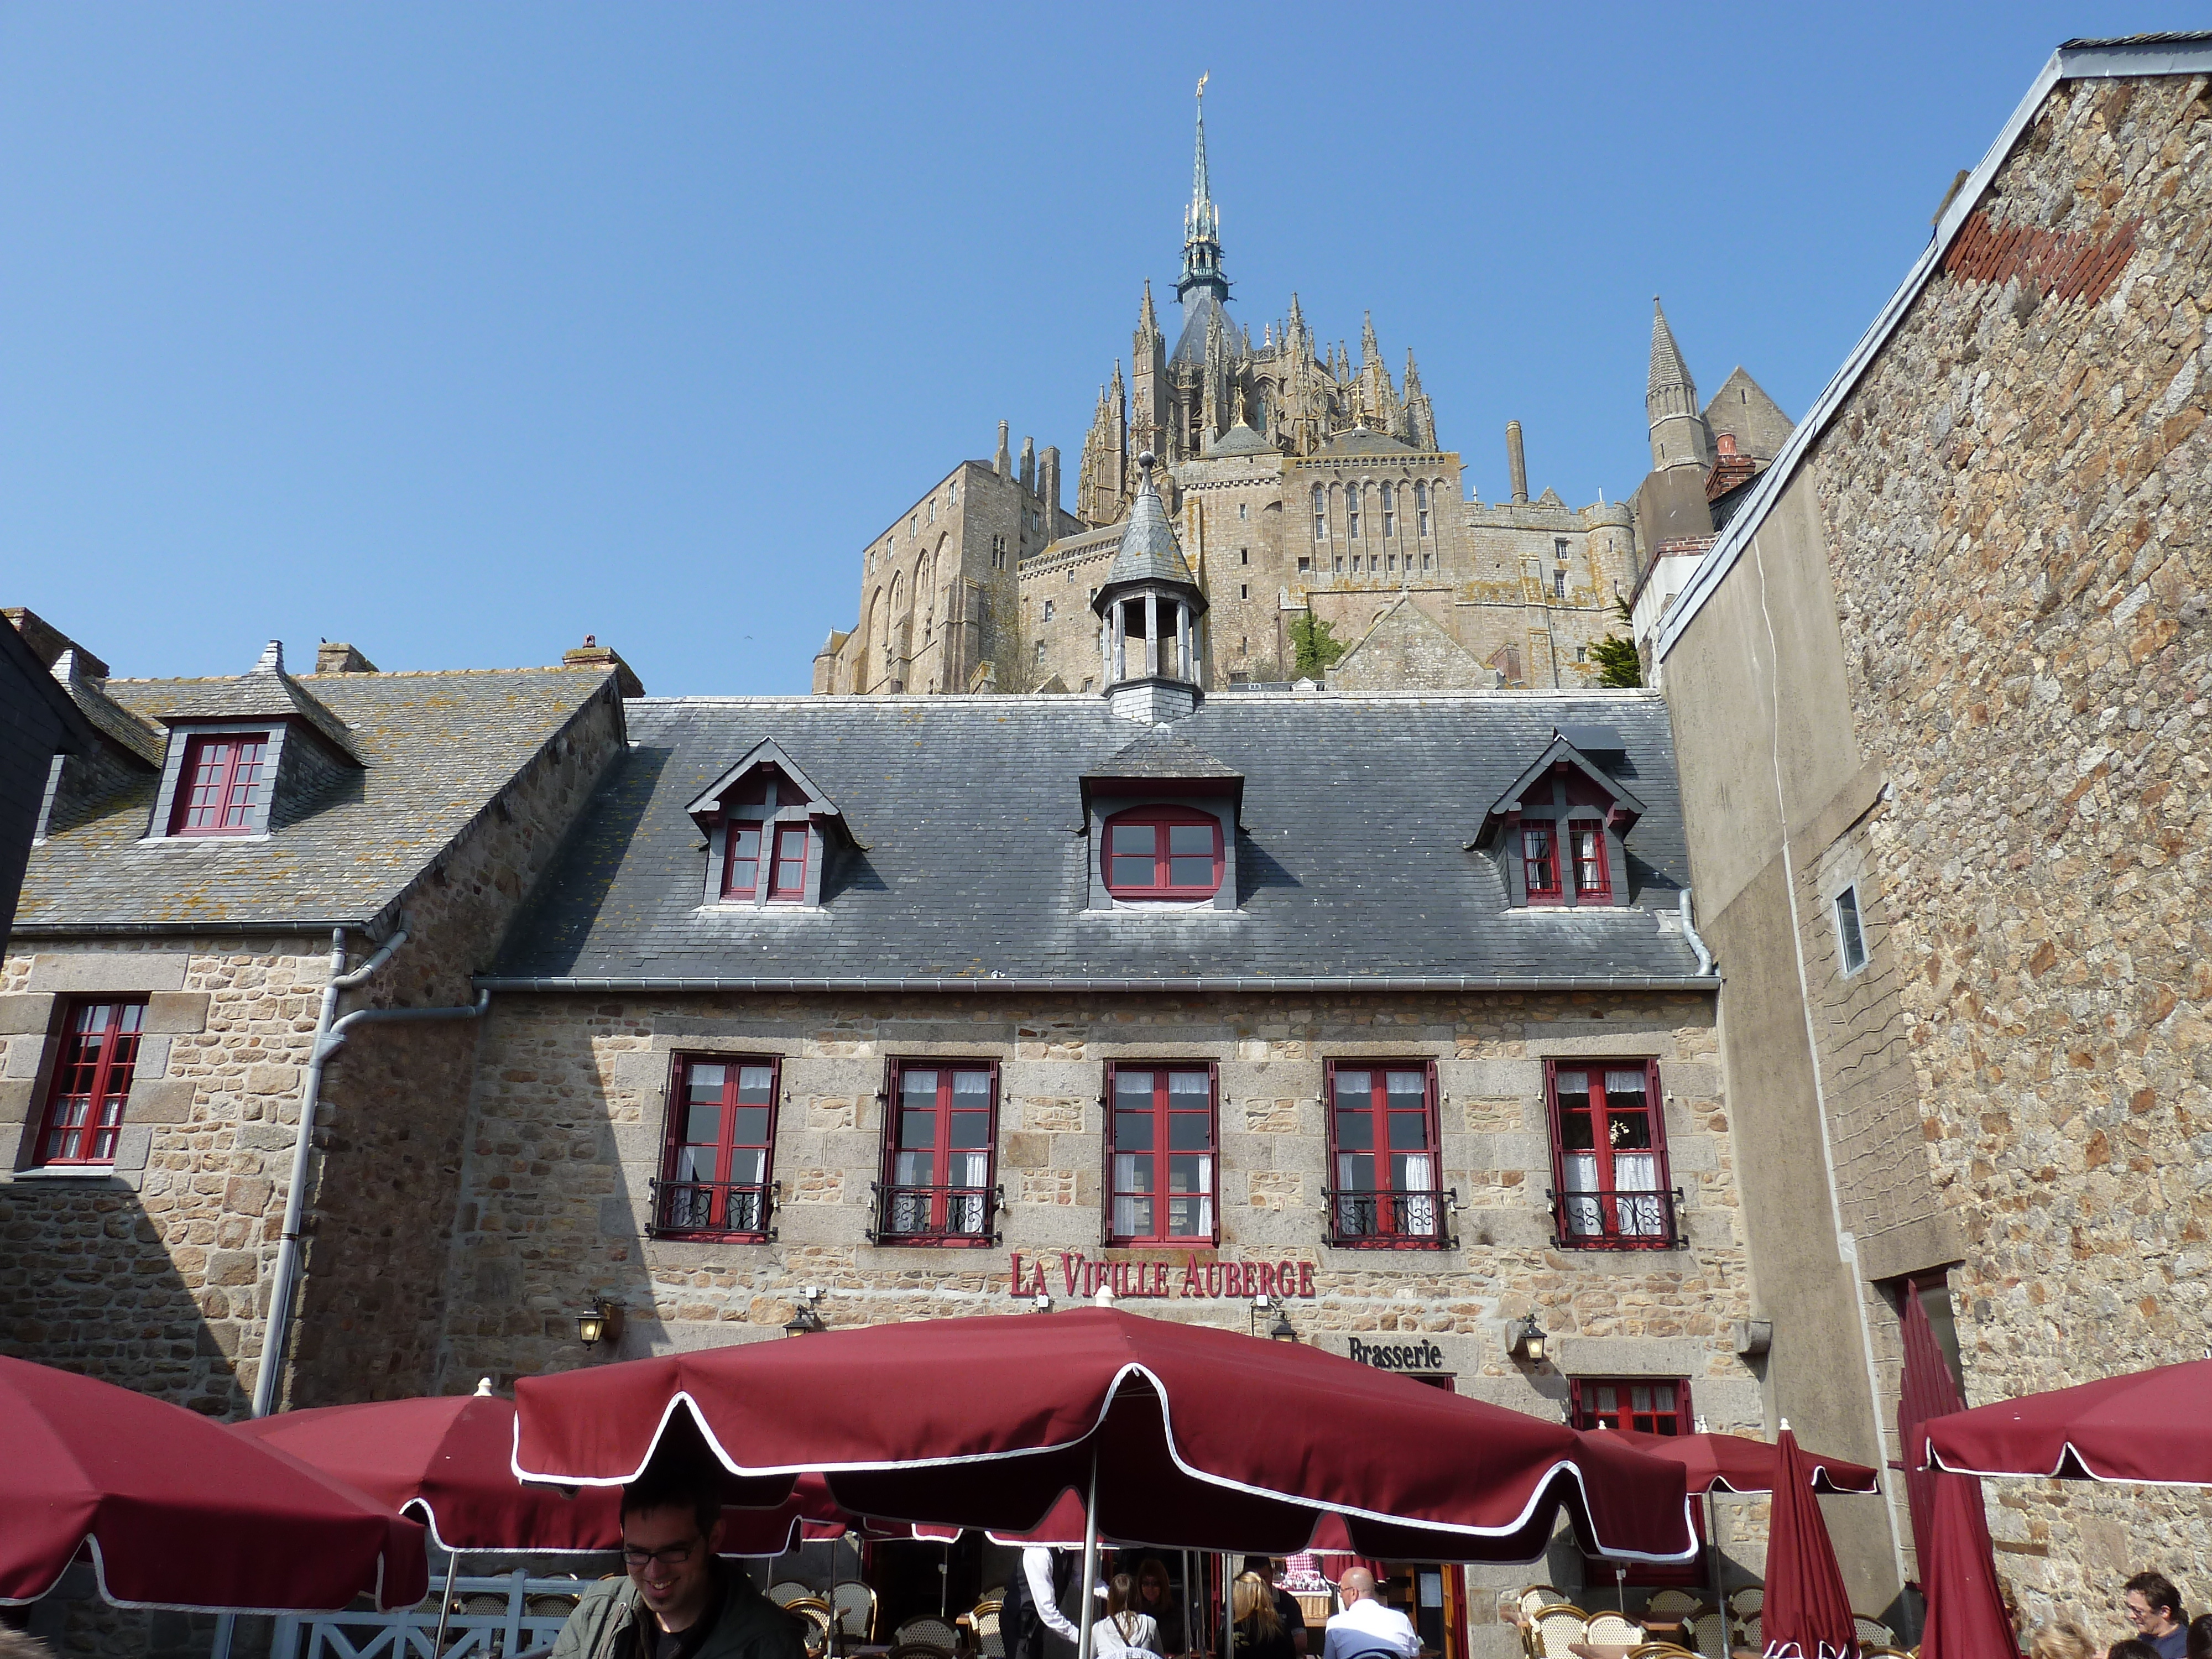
[
  {"x": 2018, "y": 491},
  {"x": 569, "y": 1111},
  {"x": 156, "y": 1276}
]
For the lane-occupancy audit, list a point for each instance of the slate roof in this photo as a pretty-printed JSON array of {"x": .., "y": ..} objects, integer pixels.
[
  {"x": 435, "y": 750},
  {"x": 1363, "y": 440},
  {"x": 1354, "y": 861},
  {"x": 1149, "y": 551},
  {"x": 265, "y": 692}
]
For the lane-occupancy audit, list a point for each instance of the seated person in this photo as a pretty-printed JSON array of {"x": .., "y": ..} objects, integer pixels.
[{"x": 1366, "y": 1627}]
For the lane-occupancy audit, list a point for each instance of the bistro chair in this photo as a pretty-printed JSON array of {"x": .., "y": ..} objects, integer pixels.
[
  {"x": 1556, "y": 1625},
  {"x": 1747, "y": 1600},
  {"x": 918, "y": 1651},
  {"x": 1754, "y": 1635},
  {"x": 1872, "y": 1633},
  {"x": 815, "y": 1611},
  {"x": 1612, "y": 1630},
  {"x": 926, "y": 1632},
  {"x": 1709, "y": 1634},
  {"x": 1672, "y": 1604},
  {"x": 856, "y": 1608},
  {"x": 787, "y": 1591},
  {"x": 1537, "y": 1597},
  {"x": 983, "y": 1625}
]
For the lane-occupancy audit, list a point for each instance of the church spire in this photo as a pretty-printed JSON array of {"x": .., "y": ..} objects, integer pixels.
[
  {"x": 1679, "y": 437},
  {"x": 1148, "y": 322},
  {"x": 1201, "y": 224}
]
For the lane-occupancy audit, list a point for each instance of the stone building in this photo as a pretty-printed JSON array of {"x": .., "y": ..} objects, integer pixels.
[
  {"x": 39, "y": 725},
  {"x": 1308, "y": 490},
  {"x": 1939, "y": 693},
  {"x": 203, "y": 868}
]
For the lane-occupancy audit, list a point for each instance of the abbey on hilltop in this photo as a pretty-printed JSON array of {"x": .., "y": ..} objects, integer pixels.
[{"x": 1330, "y": 531}]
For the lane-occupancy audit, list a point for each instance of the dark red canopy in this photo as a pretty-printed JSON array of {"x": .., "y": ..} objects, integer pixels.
[
  {"x": 1735, "y": 1462},
  {"x": 2153, "y": 1427},
  {"x": 1198, "y": 1438},
  {"x": 178, "y": 1511},
  {"x": 1806, "y": 1601},
  {"x": 1967, "y": 1617},
  {"x": 449, "y": 1459}
]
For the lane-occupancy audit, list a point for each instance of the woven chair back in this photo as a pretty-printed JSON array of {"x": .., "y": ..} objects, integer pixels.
[
  {"x": 926, "y": 1631},
  {"x": 786, "y": 1591},
  {"x": 1613, "y": 1631},
  {"x": 1558, "y": 1626}
]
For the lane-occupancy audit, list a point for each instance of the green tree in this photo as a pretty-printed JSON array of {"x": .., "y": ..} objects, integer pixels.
[
  {"x": 1617, "y": 664},
  {"x": 1315, "y": 648}
]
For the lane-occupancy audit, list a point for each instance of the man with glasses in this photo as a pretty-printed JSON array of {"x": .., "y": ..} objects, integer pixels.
[
  {"x": 679, "y": 1601},
  {"x": 2154, "y": 1607}
]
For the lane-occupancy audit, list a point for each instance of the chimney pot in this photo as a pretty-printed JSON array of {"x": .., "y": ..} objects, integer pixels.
[{"x": 1516, "y": 463}]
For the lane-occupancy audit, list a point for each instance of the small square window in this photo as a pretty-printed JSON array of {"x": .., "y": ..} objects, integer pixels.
[
  {"x": 1305, "y": 567},
  {"x": 1850, "y": 937},
  {"x": 215, "y": 784},
  {"x": 1163, "y": 853},
  {"x": 1648, "y": 1404}
]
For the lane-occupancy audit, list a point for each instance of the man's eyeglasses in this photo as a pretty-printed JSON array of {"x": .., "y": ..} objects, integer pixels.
[{"x": 672, "y": 1555}]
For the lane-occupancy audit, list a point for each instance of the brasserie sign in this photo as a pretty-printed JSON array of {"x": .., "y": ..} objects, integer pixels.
[
  {"x": 1080, "y": 1275},
  {"x": 1398, "y": 1356}
]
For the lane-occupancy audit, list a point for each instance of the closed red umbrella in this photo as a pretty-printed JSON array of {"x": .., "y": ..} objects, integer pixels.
[
  {"x": 2150, "y": 1426},
  {"x": 1806, "y": 1603},
  {"x": 1190, "y": 1437},
  {"x": 1967, "y": 1617},
  {"x": 1736, "y": 1463},
  {"x": 177, "y": 1512}
]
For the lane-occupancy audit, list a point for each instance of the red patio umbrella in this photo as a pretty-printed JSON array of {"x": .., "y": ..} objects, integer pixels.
[
  {"x": 1806, "y": 1603},
  {"x": 1737, "y": 1463},
  {"x": 2150, "y": 1426},
  {"x": 177, "y": 1512},
  {"x": 1967, "y": 1617},
  {"x": 1185, "y": 1436}
]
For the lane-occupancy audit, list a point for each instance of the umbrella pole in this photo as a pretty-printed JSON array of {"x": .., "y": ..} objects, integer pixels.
[
  {"x": 223, "y": 1624},
  {"x": 1228, "y": 1610},
  {"x": 445, "y": 1602},
  {"x": 1084, "y": 1620},
  {"x": 1713, "y": 1550}
]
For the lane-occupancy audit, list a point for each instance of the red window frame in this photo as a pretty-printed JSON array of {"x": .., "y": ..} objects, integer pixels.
[
  {"x": 741, "y": 858},
  {"x": 937, "y": 1210},
  {"x": 1364, "y": 1221},
  {"x": 91, "y": 1082},
  {"x": 1162, "y": 821},
  {"x": 719, "y": 1183},
  {"x": 1540, "y": 861},
  {"x": 787, "y": 870},
  {"x": 1604, "y": 1215},
  {"x": 215, "y": 796},
  {"x": 1664, "y": 1409},
  {"x": 1150, "y": 1178},
  {"x": 1593, "y": 868}
]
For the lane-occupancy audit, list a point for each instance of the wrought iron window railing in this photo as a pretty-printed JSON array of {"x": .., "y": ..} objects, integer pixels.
[
  {"x": 936, "y": 1215},
  {"x": 1624, "y": 1220},
  {"x": 717, "y": 1209},
  {"x": 1409, "y": 1220}
]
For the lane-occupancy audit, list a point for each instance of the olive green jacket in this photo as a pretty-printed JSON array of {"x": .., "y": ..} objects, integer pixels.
[{"x": 603, "y": 1625}]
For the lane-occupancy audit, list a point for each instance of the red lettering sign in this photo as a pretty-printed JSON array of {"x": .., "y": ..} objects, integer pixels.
[{"x": 1082, "y": 1278}]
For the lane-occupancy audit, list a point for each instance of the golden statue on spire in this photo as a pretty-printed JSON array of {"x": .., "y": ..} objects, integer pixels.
[{"x": 1202, "y": 80}]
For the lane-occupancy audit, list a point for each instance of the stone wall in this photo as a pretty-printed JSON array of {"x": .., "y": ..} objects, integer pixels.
[
  {"x": 568, "y": 1118},
  {"x": 2016, "y": 494},
  {"x": 156, "y": 1275}
]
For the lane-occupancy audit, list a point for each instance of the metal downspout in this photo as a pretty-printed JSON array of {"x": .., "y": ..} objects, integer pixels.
[{"x": 1690, "y": 932}]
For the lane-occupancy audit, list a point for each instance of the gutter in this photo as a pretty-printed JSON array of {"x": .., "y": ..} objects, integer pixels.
[
  {"x": 1690, "y": 932},
  {"x": 2101, "y": 61},
  {"x": 329, "y": 1037},
  {"x": 1209, "y": 983}
]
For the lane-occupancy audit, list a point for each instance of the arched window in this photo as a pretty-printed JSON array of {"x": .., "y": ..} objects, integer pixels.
[
  {"x": 1163, "y": 853},
  {"x": 1321, "y": 514},
  {"x": 1389, "y": 511},
  {"x": 1352, "y": 511}
]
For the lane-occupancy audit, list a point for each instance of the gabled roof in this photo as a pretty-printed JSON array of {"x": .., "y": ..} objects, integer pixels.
[
  {"x": 766, "y": 752},
  {"x": 263, "y": 692},
  {"x": 1557, "y": 750},
  {"x": 141, "y": 740},
  {"x": 2078, "y": 59},
  {"x": 1351, "y": 857}
]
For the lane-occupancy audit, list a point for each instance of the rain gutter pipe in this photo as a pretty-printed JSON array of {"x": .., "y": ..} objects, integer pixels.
[
  {"x": 1690, "y": 932},
  {"x": 330, "y": 1036}
]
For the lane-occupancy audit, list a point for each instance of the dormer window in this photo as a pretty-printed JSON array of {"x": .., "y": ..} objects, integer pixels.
[
  {"x": 215, "y": 792},
  {"x": 765, "y": 823},
  {"x": 1171, "y": 853},
  {"x": 1559, "y": 832}
]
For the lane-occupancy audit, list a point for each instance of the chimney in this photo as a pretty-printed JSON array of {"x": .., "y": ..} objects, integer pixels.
[
  {"x": 1003, "y": 463},
  {"x": 1516, "y": 463},
  {"x": 592, "y": 654},
  {"x": 335, "y": 657},
  {"x": 1029, "y": 465},
  {"x": 1049, "y": 487}
]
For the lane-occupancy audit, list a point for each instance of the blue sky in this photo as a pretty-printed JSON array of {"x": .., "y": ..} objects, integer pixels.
[{"x": 460, "y": 331}]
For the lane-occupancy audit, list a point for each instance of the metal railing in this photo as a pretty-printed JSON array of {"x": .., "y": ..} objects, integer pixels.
[
  {"x": 720, "y": 1209},
  {"x": 503, "y": 1618},
  {"x": 935, "y": 1215},
  {"x": 1623, "y": 1219},
  {"x": 1420, "y": 1219}
]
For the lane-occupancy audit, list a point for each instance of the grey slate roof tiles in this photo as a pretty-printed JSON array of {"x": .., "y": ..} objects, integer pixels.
[
  {"x": 435, "y": 750},
  {"x": 266, "y": 691},
  {"x": 973, "y": 864}
]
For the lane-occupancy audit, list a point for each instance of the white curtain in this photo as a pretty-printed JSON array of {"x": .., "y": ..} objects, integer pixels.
[{"x": 1420, "y": 1211}]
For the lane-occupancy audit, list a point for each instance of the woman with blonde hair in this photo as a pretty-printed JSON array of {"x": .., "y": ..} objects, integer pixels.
[
  {"x": 2061, "y": 1639},
  {"x": 1260, "y": 1632}
]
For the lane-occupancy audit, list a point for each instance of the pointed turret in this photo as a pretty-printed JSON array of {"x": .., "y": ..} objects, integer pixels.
[
  {"x": 1420, "y": 414},
  {"x": 1369, "y": 351},
  {"x": 1201, "y": 225},
  {"x": 1152, "y": 605},
  {"x": 1148, "y": 322},
  {"x": 1679, "y": 437}
]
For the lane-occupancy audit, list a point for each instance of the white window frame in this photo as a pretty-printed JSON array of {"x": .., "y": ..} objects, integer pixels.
[{"x": 1850, "y": 919}]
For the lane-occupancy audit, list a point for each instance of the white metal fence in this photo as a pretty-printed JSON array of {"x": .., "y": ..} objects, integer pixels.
[{"x": 505, "y": 1618}]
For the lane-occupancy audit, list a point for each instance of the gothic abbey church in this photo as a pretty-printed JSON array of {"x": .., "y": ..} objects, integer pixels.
[{"x": 1306, "y": 489}]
